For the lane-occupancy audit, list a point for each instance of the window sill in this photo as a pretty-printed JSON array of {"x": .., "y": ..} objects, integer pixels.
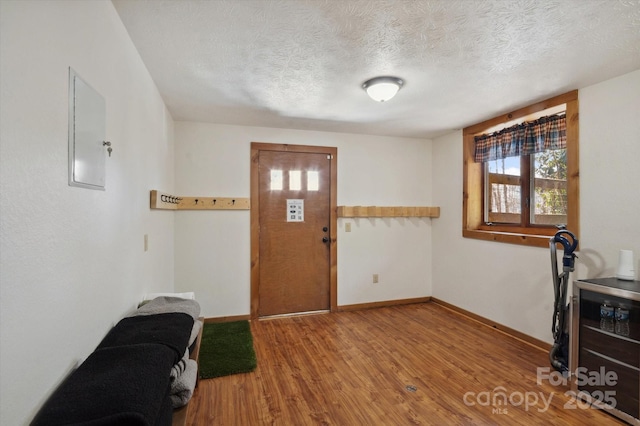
[{"x": 533, "y": 240}]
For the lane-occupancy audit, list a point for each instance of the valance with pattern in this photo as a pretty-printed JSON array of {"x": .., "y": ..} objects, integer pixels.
[{"x": 530, "y": 137}]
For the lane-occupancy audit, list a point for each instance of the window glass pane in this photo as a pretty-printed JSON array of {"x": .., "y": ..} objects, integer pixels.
[
  {"x": 549, "y": 190},
  {"x": 276, "y": 180},
  {"x": 503, "y": 195},
  {"x": 313, "y": 181},
  {"x": 295, "y": 180}
]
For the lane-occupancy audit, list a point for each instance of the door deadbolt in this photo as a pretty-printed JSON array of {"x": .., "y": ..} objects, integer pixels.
[{"x": 325, "y": 229}]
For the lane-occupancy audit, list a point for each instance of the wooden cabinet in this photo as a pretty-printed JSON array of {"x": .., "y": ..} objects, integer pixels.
[{"x": 605, "y": 351}]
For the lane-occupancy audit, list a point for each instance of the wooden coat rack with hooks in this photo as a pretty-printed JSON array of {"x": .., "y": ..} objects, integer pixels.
[
  {"x": 396, "y": 211},
  {"x": 163, "y": 201}
]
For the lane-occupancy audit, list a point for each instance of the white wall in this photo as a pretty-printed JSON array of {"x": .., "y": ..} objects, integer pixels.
[
  {"x": 213, "y": 247},
  {"x": 512, "y": 284},
  {"x": 72, "y": 259},
  {"x": 609, "y": 174}
]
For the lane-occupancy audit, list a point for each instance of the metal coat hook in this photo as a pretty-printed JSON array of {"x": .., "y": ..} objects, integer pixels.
[
  {"x": 171, "y": 199},
  {"x": 214, "y": 201}
]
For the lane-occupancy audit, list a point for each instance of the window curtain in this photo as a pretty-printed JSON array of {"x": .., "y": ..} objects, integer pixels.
[{"x": 530, "y": 137}]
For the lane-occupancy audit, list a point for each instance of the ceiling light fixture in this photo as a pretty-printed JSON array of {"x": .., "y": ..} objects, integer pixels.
[{"x": 381, "y": 89}]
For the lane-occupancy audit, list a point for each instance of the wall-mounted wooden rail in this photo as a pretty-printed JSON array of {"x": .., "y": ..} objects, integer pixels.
[
  {"x": 377, "y": 211},
  {"x": 163, "y": 201}
]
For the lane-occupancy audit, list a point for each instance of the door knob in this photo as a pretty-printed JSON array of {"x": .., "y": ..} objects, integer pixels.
[{"x": 325, "y": 239}]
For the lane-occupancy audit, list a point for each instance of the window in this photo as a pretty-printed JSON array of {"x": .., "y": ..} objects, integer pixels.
[
  {"x": 295, "y": 180},
  {"x": 313, "y": 181},
  {"x": 520, "y": 193},
  {"x": 276, "y": 180}
]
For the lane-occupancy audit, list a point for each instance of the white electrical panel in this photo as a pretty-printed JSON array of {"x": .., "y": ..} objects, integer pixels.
[{"x": 87, "y": 128}]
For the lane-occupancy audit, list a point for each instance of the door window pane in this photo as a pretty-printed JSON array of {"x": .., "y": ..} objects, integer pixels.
[
  {"x": 276, "y": 180},
  {"x": 313, "y": 181},
  {"x": 295, "y": 180}
]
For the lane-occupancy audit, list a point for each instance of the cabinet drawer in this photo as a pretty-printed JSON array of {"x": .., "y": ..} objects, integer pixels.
[
  {"x": 624, "y": 350},
  {"x": 627, "y": 387}
]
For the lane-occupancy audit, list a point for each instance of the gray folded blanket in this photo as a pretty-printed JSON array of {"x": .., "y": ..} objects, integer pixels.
[
  {"x": 183, "y": 386},
  {"x": 165, "y": 304},
  {"x": 179, "y": 367},
  {"x": 197, "y": 325}
]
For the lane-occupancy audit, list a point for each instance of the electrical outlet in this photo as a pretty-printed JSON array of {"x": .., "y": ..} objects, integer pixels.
[
  {"x": 375, "y": 278},
  {"x": 146, "y": 242},
  {"x": 347, "y": 227}
]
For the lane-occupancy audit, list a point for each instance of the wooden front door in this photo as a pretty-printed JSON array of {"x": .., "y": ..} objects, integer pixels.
[{"x": 296, "y": 228}]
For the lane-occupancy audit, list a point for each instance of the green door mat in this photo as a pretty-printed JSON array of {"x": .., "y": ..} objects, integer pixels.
[{"x": 226, "y": 348}]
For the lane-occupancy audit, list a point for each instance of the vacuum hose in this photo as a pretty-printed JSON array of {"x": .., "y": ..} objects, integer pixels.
[{"x": 558, "y": 356}]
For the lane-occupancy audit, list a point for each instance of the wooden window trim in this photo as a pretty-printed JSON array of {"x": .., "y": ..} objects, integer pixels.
[{"x": 472, "y": 200}]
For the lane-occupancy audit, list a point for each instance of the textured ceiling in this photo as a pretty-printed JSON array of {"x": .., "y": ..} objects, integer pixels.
[{"x": 299, "y": 64}]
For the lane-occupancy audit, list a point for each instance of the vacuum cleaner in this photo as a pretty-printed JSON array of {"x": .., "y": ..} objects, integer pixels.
[{"x": 559, "y": 354}]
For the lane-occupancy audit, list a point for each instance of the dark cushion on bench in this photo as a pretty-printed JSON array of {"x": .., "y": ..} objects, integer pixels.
[
  {"x": 171, "y": 329},
  {"x": 120, "y": 385}
]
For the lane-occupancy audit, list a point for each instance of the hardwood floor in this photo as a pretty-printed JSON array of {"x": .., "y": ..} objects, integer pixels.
[{"x": 401, "y": 365}]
